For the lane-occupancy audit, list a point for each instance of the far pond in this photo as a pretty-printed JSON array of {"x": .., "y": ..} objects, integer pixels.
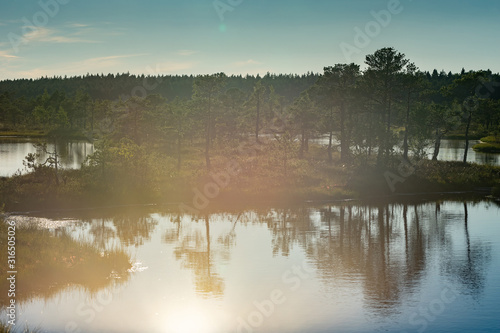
[
  {"x": 73, "y": 153},
  {"x": 14, "y": 150}
]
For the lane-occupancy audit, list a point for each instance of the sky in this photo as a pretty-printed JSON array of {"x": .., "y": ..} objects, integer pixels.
[{"x": 166, "y": 37}]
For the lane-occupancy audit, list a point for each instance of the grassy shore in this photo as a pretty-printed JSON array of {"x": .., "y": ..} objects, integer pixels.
[
  {"x": 253, "y": 182},
  {"x": 489, "y": 144},
  {"x": 461, "y": 136},
  {"x": 39, "y": 134},
  {"x": 24, "y": 134}
]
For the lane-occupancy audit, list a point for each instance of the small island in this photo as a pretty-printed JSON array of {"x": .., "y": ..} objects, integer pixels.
[
  {"x": 215, "y": 139},
  {"x": 489, "y": 144}
]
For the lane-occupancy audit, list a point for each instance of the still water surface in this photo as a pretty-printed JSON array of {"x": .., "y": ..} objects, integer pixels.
[
  {"x": 450, "y": 150},
  {"x": 14, "y": 150},
  {"x": 428, "y": 267},
  {"x": 73, "y": 153},
  {"x": 453, "y": 150}
]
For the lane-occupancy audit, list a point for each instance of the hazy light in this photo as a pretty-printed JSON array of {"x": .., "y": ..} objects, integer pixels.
[{"x": 189, "y": 320}]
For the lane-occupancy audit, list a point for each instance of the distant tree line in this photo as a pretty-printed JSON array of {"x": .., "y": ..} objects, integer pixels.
[{"x": 390, "y": 108}]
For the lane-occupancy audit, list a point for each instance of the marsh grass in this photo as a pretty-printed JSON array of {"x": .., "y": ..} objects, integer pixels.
[
  {"x": 23, "y": 133},
  {"x": 488, "y": 144},
  {"x": 491, "y": 139},
  {"x": 484, "y": 147},
  {"x": 129, "y": 174}
]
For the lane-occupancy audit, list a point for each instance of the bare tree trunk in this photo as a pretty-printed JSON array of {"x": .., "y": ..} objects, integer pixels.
[
  {"x": 407, "y": 129},
  {"x": 302, "y": 143},
  {"x": 467, "y": 136},
  {"x": 330, "y": 139},
  {"x": 56, "y": 159},
  {"x": 437, "y": 145},
  {"x": 388, "y": 135},
  {"x": 258, "y": 120},
  {"x": 344, "y": 145},
  {"x": 207, "y": 135},
  {"x": 178, "y": 152}
]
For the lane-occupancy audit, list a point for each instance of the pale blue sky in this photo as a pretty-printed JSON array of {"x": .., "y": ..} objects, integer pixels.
[{"x": 255, "y": 36}]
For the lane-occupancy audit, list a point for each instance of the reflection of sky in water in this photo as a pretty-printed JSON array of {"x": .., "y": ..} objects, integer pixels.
[
  {"x": 348, "y": 269},
  {"x": 451, "y": 150},
  {"x": 13, "y": 152}
]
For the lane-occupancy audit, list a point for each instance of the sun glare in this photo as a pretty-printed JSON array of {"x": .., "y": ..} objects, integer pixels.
[{"x": 190, "y": 321}]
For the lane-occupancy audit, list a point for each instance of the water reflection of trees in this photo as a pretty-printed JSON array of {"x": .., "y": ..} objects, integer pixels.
[
  {"x": 133, "y": 227},
  {"x": 102, "y": 232},
  {"x": 49, "y": 262},
  {"x": 52, "y": 261},
  {"x": 469, "y": 269},
  {"x": 196, "y": 249},
  {"x": 388, "y": 247},
  {"x": 125, "y": 225}
]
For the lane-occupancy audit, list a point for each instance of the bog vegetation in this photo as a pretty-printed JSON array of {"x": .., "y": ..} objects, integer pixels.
[{"x": 158, "y": 137}]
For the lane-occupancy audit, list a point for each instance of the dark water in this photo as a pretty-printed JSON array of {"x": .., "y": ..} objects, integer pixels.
[
  {"x": 429, "y": 267},
  {"x": 14, "y": 150}
]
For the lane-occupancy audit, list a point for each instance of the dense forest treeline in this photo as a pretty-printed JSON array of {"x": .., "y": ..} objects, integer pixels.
[
  {"x": 114, "y": 86},
  {"x": 159, "y": 132}
]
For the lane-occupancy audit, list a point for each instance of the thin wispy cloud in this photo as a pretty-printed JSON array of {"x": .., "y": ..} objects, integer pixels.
[
  {"x": 8, "y": 22},
  {"x": 46, "y": 35},
  {"x": 7, "y": 55},
  {"x": 186, "y": 52},
  {"x": 78, "y": 25},
  {"x": 102, "y": 62},
  {"x": 246, "y": 63},
  {"x": 117, "y": 57}
]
